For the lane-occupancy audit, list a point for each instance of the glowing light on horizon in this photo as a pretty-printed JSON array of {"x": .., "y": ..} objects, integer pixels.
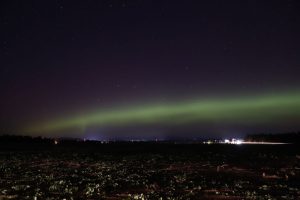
[
  {"x": 240, "y": 142},
  {"x": 267, "y": 143},
  {"x": 233, "y": 141}
]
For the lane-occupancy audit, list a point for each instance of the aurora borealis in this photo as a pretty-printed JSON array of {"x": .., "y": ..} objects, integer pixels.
[
  {"x": 264, "y": 109},
  {"x": 149, "y": 68}
]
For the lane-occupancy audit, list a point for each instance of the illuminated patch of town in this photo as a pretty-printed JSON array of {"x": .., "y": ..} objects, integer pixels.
[{"x": 240, "y": 141}]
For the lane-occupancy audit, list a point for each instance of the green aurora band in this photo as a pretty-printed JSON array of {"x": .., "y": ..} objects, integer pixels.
[{"x": 264, "y": 109}]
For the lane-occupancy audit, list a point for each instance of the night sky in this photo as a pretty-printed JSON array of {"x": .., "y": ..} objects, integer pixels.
[{"x": 149, "y": 69}]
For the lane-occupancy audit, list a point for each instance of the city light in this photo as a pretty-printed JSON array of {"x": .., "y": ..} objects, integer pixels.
[
  {"x": 240, "y": 141},
  {"x": 232, "y": 141}
]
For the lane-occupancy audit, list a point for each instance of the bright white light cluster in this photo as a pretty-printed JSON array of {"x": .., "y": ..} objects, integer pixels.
[{"x": 233, "y": 141}]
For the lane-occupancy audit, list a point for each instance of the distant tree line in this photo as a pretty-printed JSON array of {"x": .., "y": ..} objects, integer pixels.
[
  {"x": 293, "y": 137},
  {"x": 21, "y": 142}
]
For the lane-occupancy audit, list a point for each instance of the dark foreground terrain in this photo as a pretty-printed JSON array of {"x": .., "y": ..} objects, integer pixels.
[{"x": 151, "y": 171}]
